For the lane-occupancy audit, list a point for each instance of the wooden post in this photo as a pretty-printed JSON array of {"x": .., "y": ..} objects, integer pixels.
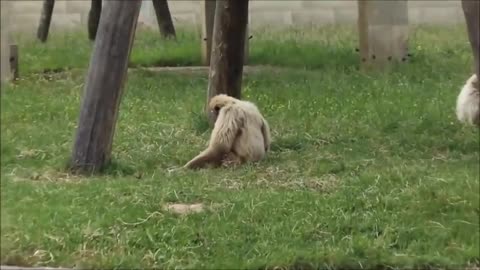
[
  {"x": 247, "y": 43},
  {"x": 471, "y": 10},
  {"x": 104, "y": 84},
  {"x": 383, "y": 32},
  {"x": 5, "y": 68},
  {"x": 362, "y": 30},
  {"x": 208, "y": 15},
  {"x": 94, "y": 18},
  {"x": 45, "y": 20},
  {"x": 164, "y": 19},
  {"x": 14, "y": 61},
  {"x": 5, "y": 38},
  {"x": 228, "y": 49}
]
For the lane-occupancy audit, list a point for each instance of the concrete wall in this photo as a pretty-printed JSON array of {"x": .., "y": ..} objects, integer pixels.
[{"x": 71, "y": 13}]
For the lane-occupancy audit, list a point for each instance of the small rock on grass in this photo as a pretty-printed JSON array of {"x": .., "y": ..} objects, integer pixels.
[{"x": 184, "y": 209}]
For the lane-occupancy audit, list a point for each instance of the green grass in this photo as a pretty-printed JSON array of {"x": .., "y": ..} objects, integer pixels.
[
  {"x": 312, "y": 49},
  {"x": 366, "y": 170}
]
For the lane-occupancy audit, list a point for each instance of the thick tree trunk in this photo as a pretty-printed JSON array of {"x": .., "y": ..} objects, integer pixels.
[
  {"x": 228, "y": 49},
  {"x": 94, "y": 18},
  {"x": 164, "y": 19},
  {"x": 104, "y": 84},
  {"x": 45, "y": 20},
  {"x": 471, "y": 10}
]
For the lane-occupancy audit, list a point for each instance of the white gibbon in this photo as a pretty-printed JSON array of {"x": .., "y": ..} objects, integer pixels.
[
  {"x": 468, "y": 102},
  {"x": 240, "y": 134}
]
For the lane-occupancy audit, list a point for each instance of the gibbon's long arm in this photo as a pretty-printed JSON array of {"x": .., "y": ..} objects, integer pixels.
[
  {"x": 228, "y": 124},
  {"x": 205, "y": 157},
  {"x": 266, "y": 135}
]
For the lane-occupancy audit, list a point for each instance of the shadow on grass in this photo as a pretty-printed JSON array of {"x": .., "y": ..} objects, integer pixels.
[{"x": 113, "y": 168}]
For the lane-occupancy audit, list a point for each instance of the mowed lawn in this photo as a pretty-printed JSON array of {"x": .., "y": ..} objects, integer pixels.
[{"x": 366, "y": 169}]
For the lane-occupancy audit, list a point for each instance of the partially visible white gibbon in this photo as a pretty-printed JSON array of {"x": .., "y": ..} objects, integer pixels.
[
  {"x": 468, "y": 102},
  {"x": 240, "y": 134}
]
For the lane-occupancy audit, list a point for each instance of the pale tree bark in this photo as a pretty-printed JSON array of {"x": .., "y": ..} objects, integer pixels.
[{"x": 208, "y": 17}]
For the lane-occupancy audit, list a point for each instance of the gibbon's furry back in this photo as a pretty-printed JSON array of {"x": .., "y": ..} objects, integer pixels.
[
  {"x": 468, "y": 102},
  {"x": 240, "y": 134}
]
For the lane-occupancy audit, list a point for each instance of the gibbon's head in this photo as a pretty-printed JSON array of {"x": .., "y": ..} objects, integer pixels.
[
  {"x": 218, "y": 102},
  {"x": 473, "y": 81}
]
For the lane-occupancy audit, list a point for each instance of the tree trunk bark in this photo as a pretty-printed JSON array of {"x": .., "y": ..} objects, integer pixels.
[
  {"x": 94, "y": 18},
  {"x": 164, "y": 19},
  {"x": 228, "y": 49},
  {"x": 45, "y": 20},
  {"x": 103, "y": 87},
  {"x": 471, "y": 10}
]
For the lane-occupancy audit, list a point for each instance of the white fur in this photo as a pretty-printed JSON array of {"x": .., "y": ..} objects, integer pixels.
[
  {"x": 468, "y": 102},
  {"x": 241, "y": 134}
]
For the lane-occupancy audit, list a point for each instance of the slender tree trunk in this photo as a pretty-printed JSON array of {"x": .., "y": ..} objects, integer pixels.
[
  {"x": 45, "y": 20},
  {"x": 103, "y": 88},
  {"x": 228, "y": 49},
  {"x": 164, "y": 19},
  {"x": 471, "y": 10},
  {"x": 208, "y": 17},
  {"x": 362, "y": 25},
  {"x": 94, "y": 18},
  {"x": 14, "y": 61}
]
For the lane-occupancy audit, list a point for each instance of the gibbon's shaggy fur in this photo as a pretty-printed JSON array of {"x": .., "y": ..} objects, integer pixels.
[
  {"x": 240, "y": 134},
  {"x": 468, "y": 102}
]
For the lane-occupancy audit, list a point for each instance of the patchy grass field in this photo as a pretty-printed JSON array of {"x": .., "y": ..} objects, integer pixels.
[{"x": 366, "y": 170}]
